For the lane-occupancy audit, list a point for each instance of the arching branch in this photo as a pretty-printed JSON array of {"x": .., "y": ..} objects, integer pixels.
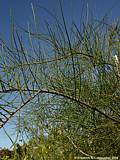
[{"x": 37, "y": 92}]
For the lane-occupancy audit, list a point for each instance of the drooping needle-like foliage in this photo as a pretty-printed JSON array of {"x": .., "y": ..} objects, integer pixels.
[{"x": 66, "y": 84}]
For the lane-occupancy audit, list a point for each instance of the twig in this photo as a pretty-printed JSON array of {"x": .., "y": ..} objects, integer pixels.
[{"x": 59, "y": 94}]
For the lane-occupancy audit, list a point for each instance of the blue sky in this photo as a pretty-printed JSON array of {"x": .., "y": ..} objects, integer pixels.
[{"x": 21, "y": 10}]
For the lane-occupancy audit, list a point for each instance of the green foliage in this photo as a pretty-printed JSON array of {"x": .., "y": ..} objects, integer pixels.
[{"x": 66, "y": 88}]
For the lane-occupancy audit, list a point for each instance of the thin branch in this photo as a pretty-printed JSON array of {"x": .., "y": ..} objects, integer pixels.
[
  {"x": 63, "y": 95},
  {"x": 49, "y": 60},
  {"x": 70, "y": 47},
  {"x": 78, "y": 148}
]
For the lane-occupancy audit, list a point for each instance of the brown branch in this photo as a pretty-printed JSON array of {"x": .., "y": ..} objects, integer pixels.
[
  {"x": 19, "y": 108},
  {"x": 59, "y": 94},
  {"x": 81, "y": 103},
  {"x": 17, "y": 90},
  {"x": 49, "y": 60},
  {"x": 3, "y": 115}
]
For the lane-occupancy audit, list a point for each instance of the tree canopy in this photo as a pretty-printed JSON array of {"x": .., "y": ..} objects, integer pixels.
[{"x": 64, "y": 88}]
